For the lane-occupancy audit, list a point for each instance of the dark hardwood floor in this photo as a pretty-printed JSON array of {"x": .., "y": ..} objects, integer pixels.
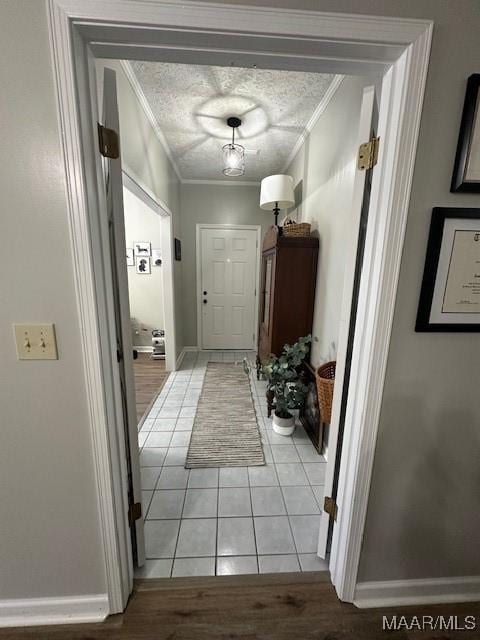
[
  {"x": 150, "y": 376},
  {"x": 267, "y": 607}
]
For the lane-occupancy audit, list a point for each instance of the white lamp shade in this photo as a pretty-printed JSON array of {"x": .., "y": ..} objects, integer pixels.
[{"x": 277, "y": 189}]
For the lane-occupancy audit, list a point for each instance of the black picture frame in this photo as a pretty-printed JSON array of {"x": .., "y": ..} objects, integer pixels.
[
  {"x": 178, "y": 249},
  {"x": 470, "y": 122},
  {"x": 435, "y": 239}
]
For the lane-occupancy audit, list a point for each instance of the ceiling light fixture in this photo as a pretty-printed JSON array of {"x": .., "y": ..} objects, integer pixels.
[{"x": 233, "y": 154}]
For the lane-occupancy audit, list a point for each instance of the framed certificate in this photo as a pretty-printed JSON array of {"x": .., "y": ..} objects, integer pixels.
[{"x": 450, "y": 294}]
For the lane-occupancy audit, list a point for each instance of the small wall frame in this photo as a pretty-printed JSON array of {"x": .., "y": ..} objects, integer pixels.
[
  {"x": 450, "y": 293},
  {"x": 143, "y": 265},
  {"x": 178, "y": 249}
]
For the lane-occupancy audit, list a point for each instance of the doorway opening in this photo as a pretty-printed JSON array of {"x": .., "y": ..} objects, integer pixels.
[
  {"x": 145, "y": 294},
  {"x": 234, "y": 517},
  {"x": 340, "y": 45}
]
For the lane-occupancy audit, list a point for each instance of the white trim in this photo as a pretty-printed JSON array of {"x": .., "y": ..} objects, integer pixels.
[
  {"x": 398, "y": 127},
  {"x": 395, "y": 593},
  {"x": 278, "y": 38},
  {"x": 141, "y": 348},
  {"x": 198, "y": 267},
  {"x": 190, "y": 349},
  {"x": 109, "y": 456},
  {"x": 226, "y": 183},
  {"x": 319, "y": 111},
  {"x": 179, "y": 360},
  {"x": 47, "y": 611},
  {"x": 137, "y": 89}
]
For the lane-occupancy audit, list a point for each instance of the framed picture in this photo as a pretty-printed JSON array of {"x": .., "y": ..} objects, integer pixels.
[
  {"x": 130, "y": 258},
  {"x": 466, "y": 172},
  {"x": 450, "y": 294},
  {"x": 143, "y": 265},
  {"x": 142, "y": 248},
  {"x": 156, "y": 257},
  {"x": 178, "y": 249}
]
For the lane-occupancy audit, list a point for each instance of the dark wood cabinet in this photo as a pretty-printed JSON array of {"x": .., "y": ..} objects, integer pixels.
[{"x": 287, "y": 291}]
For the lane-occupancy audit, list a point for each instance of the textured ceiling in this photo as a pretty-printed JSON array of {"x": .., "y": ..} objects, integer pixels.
[{"x": 192, "y": 102}]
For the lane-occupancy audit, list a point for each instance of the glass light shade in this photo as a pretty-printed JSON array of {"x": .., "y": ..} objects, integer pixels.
[{"x": 233, "y": 160}]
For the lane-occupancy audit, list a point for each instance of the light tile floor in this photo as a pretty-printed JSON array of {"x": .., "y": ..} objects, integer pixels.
[{"x": 231, "y": 520}]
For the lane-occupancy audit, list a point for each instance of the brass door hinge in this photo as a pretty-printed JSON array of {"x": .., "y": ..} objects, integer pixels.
[
  {"x": 108, "y": 142},
  {"x": 330, "y": 507},
  {"x": 134, "y": 512},
  {"x": 368, "y": 154}
]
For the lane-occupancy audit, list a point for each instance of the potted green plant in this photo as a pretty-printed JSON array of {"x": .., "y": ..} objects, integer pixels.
[{"x": 283, "y": 374}]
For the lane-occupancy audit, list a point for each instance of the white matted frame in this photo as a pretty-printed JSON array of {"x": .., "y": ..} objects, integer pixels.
[
  {"x": 273, "y": 38},
  {"x": 243, "y": 227}
]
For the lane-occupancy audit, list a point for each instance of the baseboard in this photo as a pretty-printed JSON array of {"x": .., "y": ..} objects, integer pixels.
[
  {"x": 180, "y": 358},
  {"x": 45, "y": 611},
  {"x": 143, "y": 349},
  {"x": 414, "y": 592},
  {"x": 182, "y": 355}
]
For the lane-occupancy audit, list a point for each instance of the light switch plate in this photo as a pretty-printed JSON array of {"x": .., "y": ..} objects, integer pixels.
[{"x": 35, "y": 341}]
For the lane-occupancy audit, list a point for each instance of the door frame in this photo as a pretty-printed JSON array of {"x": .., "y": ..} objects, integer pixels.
[
  {"x": 136, "y": 186},
  {"x": 211, "y": 33},
  {"x": 198, "y": 235}
]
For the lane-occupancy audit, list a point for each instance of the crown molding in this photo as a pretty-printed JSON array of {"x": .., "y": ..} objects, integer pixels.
[
  {"x": 225, "y": 183},
  {"x": 137, "y": 89},
  {"x": 322, "y": 105}
]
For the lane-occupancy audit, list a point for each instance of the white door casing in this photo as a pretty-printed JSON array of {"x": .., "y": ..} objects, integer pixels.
[
  {"x": 364, "y": 133},
  {"x": 277, "y": 38},
  {"x": 116, "y": 226},
  {"x": 227, "y": 262}
]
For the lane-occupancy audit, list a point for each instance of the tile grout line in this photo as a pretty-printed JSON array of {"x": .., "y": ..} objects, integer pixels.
[{"x": 253, "y": 521}]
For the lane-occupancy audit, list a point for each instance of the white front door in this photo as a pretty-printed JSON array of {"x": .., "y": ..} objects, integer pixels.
[{"x": 228, "y": 264}]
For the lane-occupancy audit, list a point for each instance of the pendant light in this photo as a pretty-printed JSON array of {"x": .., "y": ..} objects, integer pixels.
[{"x": 233, "y": 154}]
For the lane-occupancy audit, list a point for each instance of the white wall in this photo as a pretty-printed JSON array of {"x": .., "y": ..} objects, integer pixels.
[
  {"x": 145, "y": 291},
  {"x": 146, "y": 161},
  {"x": 323, "y": 172},
  {"x": 214, "y": 204}
]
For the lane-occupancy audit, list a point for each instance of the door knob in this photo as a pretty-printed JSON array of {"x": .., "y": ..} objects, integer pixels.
[
  {"x": 204, "y": 293},
  {"x": 204, "y": 302}
]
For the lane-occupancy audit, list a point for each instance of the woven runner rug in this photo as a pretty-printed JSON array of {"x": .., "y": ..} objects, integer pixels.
[{"x": 225, "y": 431}]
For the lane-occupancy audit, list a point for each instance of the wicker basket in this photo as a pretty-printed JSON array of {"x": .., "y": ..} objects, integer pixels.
[
  {"x": 297, "y": 229},
  {"x": 325, "y": 378}
]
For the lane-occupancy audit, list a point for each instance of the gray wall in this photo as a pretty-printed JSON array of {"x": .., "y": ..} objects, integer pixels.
[
  {"x": 215, "y": 204},
  {"x": 50, "y": 535},
  {"x": 145, "y": 160},
  {"x": 323, "y": 189},
  {"x": 423, "y": 513}
]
